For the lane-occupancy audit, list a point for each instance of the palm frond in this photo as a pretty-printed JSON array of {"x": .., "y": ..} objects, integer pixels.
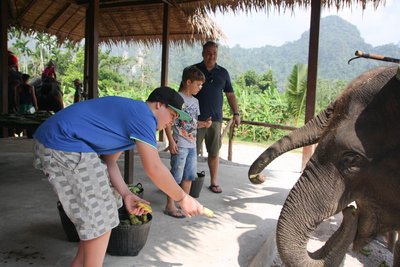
[{"x": 296, "y": 91}]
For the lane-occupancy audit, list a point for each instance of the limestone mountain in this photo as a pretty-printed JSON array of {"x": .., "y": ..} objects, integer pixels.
[{"x": 338, "y": 42}]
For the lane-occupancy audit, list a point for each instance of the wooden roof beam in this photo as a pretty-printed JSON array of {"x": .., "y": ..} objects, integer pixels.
[
  {"x": 68, "y": 19},
  {"x": 153, "y": 23},
  {"x": 139, "y": 24},
  {"x": 116, "y": 26},
  {"x": 170, "y": 3},
  {"x": 43, "y": 12},
  {"x": 128, "y": 3},
  {"x": 106, "y": 26},
  {"x": 56, "y": 16},
  {"x": 26, "y": 9},
  {"x": 75, "y": 26}
]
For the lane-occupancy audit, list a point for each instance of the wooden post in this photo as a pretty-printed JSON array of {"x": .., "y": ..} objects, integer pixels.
[
  {"x": 312, "y": 71},
  {"x": 4, "y": 62},
  {"x": 165, "y": 46},
  {"x": 92, "y": 19},
  {"x": 164, "y": 57},
  {"x": 129, "y": 164}
]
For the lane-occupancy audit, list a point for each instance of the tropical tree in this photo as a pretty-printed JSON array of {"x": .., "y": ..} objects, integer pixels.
[
  {"x": 47, "y": 49},
  {"x": 23, "y": 50},
  {"x": 23, "y": 53},
  {"x": 250, "y": 78},
  {"x": 296, "y": 92},
  {"x": 267, "y": 80}
]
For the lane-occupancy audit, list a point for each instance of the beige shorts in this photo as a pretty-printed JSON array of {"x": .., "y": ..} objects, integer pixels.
[{"x": 83, "y": 188}]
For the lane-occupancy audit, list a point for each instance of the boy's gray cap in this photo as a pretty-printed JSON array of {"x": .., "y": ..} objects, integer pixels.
[{"x": 170, "y": 97}]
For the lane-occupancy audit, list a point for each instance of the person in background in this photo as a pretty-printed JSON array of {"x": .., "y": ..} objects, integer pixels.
[
  {"x": 49, "y": 72},
  {"x": 78, "y": 148},
  {"x": 12, "y": 61},
  {"x": 182, "y": 138},
  {"x": 25, "y": 97},
  {"x": 210, "y": 99},
  {"x": 14, "y": 79},
  {"x": 79, "y": 95}
]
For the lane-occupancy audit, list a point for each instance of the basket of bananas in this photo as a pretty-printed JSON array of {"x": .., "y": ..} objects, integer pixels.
[{"x": 130, "y": 236}]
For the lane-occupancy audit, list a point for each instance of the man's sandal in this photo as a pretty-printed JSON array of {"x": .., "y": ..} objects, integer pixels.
[
  {"x": 215, "y": 189},
  {"x": 175, "y": 214}
]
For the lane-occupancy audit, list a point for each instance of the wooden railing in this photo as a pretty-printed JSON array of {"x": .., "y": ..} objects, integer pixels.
[{"x": 230, "y": 130}]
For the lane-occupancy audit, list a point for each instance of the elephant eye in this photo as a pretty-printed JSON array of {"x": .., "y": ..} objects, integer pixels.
[{"x": 351, "y": 163}]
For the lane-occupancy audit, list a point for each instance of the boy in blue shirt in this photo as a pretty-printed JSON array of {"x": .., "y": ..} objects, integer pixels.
[
  {"x": 78, "y": 148},
  {"x": 182, "y": 142}
]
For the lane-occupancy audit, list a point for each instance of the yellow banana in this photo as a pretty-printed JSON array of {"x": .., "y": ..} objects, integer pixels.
[
  {"x": 209, "y": 213},
  {"x": 144, "y": 206}
]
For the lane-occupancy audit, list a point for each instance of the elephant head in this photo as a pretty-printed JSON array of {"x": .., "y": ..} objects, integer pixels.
[{"x": 357, "y": 160}]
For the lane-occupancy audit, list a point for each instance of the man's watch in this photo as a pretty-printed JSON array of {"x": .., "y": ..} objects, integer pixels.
[{"x": 236, "y": 114}]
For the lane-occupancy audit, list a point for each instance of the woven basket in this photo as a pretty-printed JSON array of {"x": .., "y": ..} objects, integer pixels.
[
  {"x": 128, "y": 240},
  {"x": 68, "y": 226}
]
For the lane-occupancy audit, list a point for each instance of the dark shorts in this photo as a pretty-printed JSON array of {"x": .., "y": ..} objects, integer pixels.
[
  {"x": 212, "y": 138},
  {"x": 83, "y": 188}
]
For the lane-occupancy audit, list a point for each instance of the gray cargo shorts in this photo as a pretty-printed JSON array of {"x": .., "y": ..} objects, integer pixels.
[{"x": 83, "y": 188}]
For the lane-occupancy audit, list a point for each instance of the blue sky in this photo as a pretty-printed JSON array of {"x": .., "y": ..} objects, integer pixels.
[{"x": 377, "y": 26}]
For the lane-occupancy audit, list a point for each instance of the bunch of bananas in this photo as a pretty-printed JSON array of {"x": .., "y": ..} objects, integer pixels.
[
  {"x": 144, "y": 206},
  {"x": 138, "y": 219},
  {"x": 141, "y": 219}
]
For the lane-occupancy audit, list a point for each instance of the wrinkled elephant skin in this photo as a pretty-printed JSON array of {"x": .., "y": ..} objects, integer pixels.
[{"x": 357, "y": 159}]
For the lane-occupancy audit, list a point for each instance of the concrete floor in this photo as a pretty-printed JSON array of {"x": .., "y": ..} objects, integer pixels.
[{"x": 242, "y": 232}]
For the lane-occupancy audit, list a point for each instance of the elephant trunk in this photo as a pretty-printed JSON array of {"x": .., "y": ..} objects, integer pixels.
[
  {"x": 307, "y": 135},
  {"x": 311, "y": 201}
]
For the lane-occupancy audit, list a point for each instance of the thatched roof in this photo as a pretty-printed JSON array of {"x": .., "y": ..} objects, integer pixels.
[
  {"x": 120, "y": 21},
  {"x": 142, "y": 20},
  {"x": 269, "y": 5}
]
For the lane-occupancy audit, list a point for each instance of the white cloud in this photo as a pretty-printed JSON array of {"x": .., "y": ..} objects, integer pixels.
[{"x": 377, "y": 26}]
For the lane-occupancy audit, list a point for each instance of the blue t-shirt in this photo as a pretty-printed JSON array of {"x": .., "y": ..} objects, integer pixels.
[
  {"x": 103, "y": 125},
  {"x": 210, "y": 96}
]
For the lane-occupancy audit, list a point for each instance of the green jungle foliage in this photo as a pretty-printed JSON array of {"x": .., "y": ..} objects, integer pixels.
[{"x": 270, "y": 82}]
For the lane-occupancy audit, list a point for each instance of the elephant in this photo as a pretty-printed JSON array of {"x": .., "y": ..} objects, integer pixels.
[
  {"x": 356, "y": 160},
  {"x": 49, "y": 94}
]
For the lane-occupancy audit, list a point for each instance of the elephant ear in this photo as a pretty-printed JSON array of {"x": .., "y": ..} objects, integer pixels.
[{"x": 351, "y": 163}]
